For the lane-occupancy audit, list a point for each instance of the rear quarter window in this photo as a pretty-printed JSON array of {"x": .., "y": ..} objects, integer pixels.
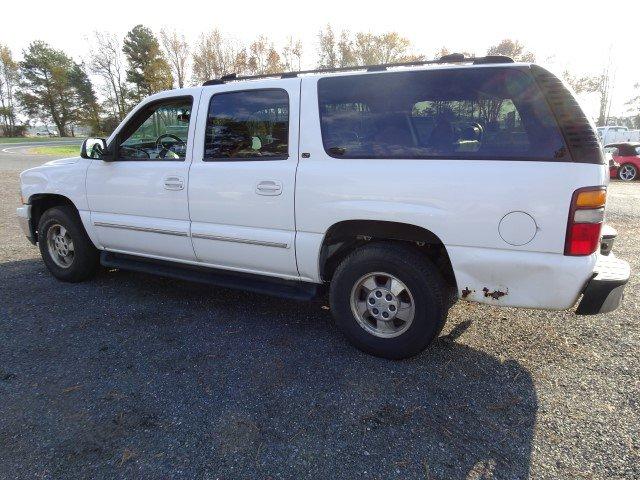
[{"x": 483, "y": 113}]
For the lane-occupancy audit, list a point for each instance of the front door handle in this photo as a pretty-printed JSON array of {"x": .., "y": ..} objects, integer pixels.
[
  {"x": 269, "y": 187},
  {"x": 174, "y": 183}
]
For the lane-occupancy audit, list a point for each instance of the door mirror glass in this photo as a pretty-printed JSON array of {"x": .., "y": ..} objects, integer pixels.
[{"x": 94, "y": 148}]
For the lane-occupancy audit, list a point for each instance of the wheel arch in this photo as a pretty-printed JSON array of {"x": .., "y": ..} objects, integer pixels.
[
  {"x": 345, "y": 236},
  {"x": 41, "y": 202}
]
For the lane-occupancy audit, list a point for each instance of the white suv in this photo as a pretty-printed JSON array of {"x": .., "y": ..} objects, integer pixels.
[{"x": 404, "y": 187}]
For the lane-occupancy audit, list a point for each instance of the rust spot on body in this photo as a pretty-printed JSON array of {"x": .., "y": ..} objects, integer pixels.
[
  {"x": 466, "y": 292},
  {"x": 496, "y": 294}
]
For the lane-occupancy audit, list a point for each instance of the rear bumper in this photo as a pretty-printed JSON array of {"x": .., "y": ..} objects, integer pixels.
[
  {"x": 24, "y": 220},
  {"x": 604, "y": 292}
]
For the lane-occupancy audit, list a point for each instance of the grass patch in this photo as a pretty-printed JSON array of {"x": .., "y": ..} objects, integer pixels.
[
  {"x": 62, "y": 150},
  {"x": 4, "y": 140}
]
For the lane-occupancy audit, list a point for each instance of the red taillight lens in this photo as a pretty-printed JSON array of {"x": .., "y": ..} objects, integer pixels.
[
  {"x": 583, "y": 238},
  {"x": 585, "y": 221}
]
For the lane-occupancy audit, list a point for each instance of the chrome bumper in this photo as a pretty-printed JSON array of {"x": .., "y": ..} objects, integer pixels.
[{"x": 24, "y": 217}]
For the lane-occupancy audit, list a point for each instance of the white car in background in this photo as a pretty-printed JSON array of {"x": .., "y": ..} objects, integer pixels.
[{"x": 617, "y": 134}]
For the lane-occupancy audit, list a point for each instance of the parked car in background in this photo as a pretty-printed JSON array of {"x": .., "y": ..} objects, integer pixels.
[
  {"x": 627, "y": 157},
  {"x": 613, "y": 165},
  {"x": 617, "y": 134}
]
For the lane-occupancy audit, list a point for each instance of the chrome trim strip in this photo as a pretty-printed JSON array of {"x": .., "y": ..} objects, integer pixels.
[
  {"x": 141, "y": 229},
  {"x": 240, "y": 240}
]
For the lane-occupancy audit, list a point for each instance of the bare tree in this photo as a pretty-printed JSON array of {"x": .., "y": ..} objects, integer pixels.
[
  {"x": 634, "y": 107},
  {"x": 327, "y": 54},
  {"x": 177, "y": 51},
  {"x": 216, "y": 55},
  {"x": 513, "y": 49},
  {"x": 9, "y": 76},
  {"x": 107, "y": 62},
  {"x": 581, "y": 84},
  {"x": 292, "y": 55},
  {"x": 599, "y": 84},
  {"x": 443, "y": 51},
  {"x": 263, "y": 57},
  {"x": 362, "y": 48},
  {"x": 346, "y": 50}
]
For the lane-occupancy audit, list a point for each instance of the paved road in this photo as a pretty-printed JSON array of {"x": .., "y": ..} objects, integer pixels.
[
  {"x": 17, "y": 153},
  {"x": 133, "y": 376}
]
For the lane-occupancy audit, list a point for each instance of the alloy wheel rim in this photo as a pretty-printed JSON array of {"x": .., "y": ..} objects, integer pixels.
[
  {"x": 60, "y": 246},
  {"x": 382, "y": 304},
  {"x": 627, "y": 172}
]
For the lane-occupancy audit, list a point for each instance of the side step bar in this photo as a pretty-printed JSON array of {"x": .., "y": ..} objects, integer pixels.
[{"x": 222, "y": 278}]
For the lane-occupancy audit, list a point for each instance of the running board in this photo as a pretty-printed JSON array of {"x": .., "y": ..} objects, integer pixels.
[{"x": 223, "y": 278}]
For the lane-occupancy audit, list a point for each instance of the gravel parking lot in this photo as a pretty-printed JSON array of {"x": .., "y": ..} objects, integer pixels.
[{"x": 132, "y": 376}]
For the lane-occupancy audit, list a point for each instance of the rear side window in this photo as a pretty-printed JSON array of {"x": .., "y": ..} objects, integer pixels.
[
  {"x": 482, "y": 113},
  {"x": 248, "y": 125}
]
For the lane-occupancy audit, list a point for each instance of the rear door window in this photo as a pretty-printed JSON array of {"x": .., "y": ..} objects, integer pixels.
[
  {"x": 248, "y": 125},
  {"x": 481, "y": 113}
]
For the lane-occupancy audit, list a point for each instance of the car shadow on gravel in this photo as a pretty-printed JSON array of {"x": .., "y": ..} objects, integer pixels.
[{"x": 130, "y": 375}]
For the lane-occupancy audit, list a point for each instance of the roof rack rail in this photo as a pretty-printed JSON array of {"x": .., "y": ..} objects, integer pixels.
[{"x": 450, "y": 58}]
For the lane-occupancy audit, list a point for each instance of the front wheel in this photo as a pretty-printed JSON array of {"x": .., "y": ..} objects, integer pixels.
[
  {"x": 627, "y": 172},
  {"x": 65, "y": 247},
  {"x": 388, "y": 300}
]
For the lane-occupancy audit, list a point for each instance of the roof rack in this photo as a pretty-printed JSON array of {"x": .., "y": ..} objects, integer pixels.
[{"x": 451, "y": 58}]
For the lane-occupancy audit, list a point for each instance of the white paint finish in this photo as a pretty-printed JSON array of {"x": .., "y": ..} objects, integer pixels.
[
  {"x": 253, "y": 271},
  {"x": 169, "y": 237},
  {"x": 150, "y": 196},
  {"x": 530, "y": 279},
  {"x": 461, "y": 201},
  {"x": 132, "y": 193},
  {"x": 23, "y": 213},
  {"x": 225, "y": 201},
  {"x": 517, "y": 228},
  {"x": 307, "y": 253},
  {"x": 85, "y": 217},
  {"x": 61, "y": 177}
]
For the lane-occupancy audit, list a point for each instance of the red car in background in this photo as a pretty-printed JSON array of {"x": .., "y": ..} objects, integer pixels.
[{"x": 627, "y": 157}]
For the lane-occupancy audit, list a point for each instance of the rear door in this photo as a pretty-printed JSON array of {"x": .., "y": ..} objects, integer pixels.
[{"x": 242, "y": 180}]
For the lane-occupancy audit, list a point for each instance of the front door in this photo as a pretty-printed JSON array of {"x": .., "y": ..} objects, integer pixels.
[
  {"x": 138, "y": 202},
  {"x": 242, "y": 180}
]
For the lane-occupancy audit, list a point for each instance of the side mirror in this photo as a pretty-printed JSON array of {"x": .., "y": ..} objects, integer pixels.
[{"x": 96, "y": 149}]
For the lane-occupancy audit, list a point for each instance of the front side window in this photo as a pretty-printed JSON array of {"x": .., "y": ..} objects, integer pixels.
[
  {"x": 248, "y": 125},
  {"x": 488, "y": 113},
  {"x": 158, "y": 133}
]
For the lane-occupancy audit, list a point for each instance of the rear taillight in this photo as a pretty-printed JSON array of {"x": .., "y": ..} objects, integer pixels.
[{"x": 585, "y": 221}]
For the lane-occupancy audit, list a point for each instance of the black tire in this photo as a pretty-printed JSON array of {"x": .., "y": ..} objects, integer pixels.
[
  {"x": 420, "y": 276},
  {"x": 633, "y": 169},
  {"x": 85, "y": 259}
]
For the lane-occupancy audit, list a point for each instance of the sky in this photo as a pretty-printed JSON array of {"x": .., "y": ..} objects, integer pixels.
[{"x": 580, "y": 36}]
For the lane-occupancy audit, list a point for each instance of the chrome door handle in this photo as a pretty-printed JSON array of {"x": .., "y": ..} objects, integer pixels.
[
  {"x": 269, "y": 187},
  {"x": 174, "y": 183}
]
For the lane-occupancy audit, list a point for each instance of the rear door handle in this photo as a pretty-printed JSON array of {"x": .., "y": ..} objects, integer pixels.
[
  {"x": 173, "y": 183},
  {"x": 269, "y": 187}
]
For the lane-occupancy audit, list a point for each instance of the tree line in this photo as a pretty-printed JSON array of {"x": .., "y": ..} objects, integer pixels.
[{"x": 48, "y": 86}]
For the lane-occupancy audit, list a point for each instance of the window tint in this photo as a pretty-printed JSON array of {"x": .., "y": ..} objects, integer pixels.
[
  {"x": 492, "y": 113},
  {"x": 159, "y": 133},
  {"x": 252, "y": 124}
]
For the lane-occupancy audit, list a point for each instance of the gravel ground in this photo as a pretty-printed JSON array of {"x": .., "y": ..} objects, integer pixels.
[{"x": 131, "y": 376}]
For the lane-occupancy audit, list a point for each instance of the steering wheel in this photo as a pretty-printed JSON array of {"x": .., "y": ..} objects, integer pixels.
[
  {"x": 163, "y": 148},
  {"x": 136, "y": 149},
  {"x": 477, "y": 127}
]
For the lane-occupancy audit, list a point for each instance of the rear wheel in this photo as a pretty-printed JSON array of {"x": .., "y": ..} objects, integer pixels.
[
  {"x": 627, "y": 172},
  {"x": 388, "y": 300},
  {"x": 64, "y": 245}
]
